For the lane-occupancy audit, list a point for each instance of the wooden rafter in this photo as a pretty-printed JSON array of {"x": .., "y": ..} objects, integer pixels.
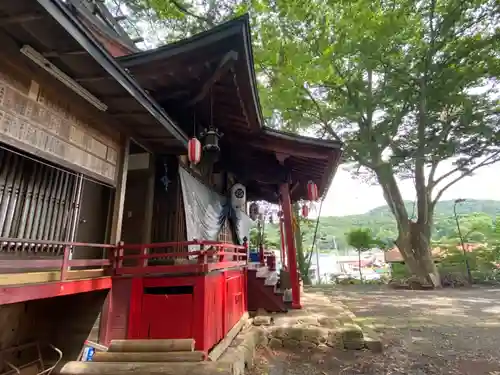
[
  {"x": 225, "y": 64},
  {"x": 66, "y": 53},
  {"x": 20, "y": 18},
  {"x": 92, "y": 79}
]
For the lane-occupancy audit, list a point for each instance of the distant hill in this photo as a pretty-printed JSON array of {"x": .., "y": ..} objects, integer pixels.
[
  {"x": 445, "y": 208},
  {"x": 381, "y": 222}
]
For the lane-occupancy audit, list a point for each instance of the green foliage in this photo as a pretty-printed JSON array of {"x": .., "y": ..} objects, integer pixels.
[
  {"x": 483, "y": 261},
  {"x": 399, "y": 271},
  {"x": 304, "y": 252},
  {"x": 361, "y": 239}
]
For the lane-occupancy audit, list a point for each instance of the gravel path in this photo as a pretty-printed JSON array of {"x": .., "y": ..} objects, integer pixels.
[{"x": 445, "y": 332}]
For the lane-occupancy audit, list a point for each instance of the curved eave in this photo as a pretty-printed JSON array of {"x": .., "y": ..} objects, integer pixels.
[
  {"x": 269, "y": 158},
  {"x": 230, "y": 36}
]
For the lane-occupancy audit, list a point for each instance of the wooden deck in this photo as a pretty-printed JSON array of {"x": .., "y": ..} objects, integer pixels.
[{"x": 16, "y": 279}]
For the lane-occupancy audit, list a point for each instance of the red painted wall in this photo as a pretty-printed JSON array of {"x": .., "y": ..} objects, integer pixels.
[
  {"x": 206, "y": 308},
  {"x": 115, "y": 315}
]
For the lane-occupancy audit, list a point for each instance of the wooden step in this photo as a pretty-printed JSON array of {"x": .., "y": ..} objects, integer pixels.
[
  {"x": 156, "y": 346},
  {"x": 138, "y": 368},
  {"x": 264, "y": 296},
  {"x": 194, "y": 356}
]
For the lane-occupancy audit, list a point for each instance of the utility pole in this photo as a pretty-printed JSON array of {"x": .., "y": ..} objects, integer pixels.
[
  {"x": 466, "y": 258},
  {"x": 317, "y": 265}
]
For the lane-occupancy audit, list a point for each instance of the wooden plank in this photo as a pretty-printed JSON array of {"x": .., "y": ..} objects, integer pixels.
[
  {"x": 119, "y": 201},
  {"x": 47, "y": 277},
  {"x": 195, "y": 356},
  {"x": 149, "y": 202},
  {"x": 30, "y": 264},
  {"x": 221, "y": 347},
  {"x": 89, "y": 262},
  {"x": 96, "y": 346},
  {"x": 174, "y": 345},
  {"x": 100, "y": 368}
]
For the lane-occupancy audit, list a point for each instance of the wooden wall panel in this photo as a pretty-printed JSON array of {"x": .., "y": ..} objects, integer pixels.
[{"x": 40, "y": 122}]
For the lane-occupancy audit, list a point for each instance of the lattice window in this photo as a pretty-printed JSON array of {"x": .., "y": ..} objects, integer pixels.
[{"x": 226, "y": 234}]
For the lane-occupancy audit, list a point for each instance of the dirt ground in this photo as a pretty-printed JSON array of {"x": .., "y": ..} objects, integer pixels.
[{"x": 446, "y": 332}]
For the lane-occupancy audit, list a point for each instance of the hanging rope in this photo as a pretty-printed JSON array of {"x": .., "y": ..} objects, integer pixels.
[{"x": 316, "y": 229}]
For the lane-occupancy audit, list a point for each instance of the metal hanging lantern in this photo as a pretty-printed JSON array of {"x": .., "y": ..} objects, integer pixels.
[
  {"x": 253, "y": 211},
  {"x": 312, "y": 191},
  {"x": 211, "y": 138},
  {"x": 194, "y": 150},
  {"x": 305, "y": 211}
]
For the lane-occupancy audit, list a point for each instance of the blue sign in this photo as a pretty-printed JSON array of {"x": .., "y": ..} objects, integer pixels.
[{"x": 88, "y": 353}]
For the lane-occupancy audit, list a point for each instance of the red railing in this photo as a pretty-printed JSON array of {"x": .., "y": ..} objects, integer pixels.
[
  {"x": 150, "y": 259},
  {"x": 20, "y": 255}
]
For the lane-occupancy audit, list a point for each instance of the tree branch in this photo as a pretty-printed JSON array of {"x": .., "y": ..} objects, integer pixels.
[
  {"x": 324, "y": 121},
  {"x": 489, "y": 160},
  {"x": 432, "y": 173},
  {"x": 492, "y": 159},
  {"x": 186, "y": 11}
]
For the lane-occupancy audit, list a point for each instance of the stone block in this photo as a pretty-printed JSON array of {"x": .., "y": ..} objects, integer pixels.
[
  {"x": 329, "y": 322},
  {"x": 316, "y": 335},
  {"x": 275, "y": 343},
  {"x": 335, "y": 340},
  {"x": 279, "y": 332},
  {"x": 291, "y": 344},
  {"x": 309, "y": 320},
  {"x": 307, "y": 344}
]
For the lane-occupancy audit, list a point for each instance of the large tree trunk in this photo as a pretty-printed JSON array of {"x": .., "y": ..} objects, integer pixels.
[
  {"x": 413, "y": 237},
  {"x": 416, "y": 251}
]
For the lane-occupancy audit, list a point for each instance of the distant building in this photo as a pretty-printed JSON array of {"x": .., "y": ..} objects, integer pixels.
[{"x": 394, "y": 255}]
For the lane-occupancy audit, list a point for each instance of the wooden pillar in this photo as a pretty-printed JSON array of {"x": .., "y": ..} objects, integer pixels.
[
  {"x": 106, "y": 320},
  {"x": 149, "y": 201},
  {"x": 119, "y": 199},
  {"x": 290, "y": 244}
]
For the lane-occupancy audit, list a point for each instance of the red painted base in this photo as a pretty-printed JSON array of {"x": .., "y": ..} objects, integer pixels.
[
  {"x": 203, "y": 307},
  {"x": 22, "y": 293}
]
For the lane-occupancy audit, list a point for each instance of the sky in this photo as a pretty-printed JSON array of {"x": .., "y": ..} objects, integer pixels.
[{"x": 350, "y": 196}]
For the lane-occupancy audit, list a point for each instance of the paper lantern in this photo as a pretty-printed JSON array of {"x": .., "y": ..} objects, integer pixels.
[
  {"x": 194, "y": 150},
  {"x": 238, "y": 196},
  {"x": 305, "y": 211},
  {"x": 312, "y": 191}
]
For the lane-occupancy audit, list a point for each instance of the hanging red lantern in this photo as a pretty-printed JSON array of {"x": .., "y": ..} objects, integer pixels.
[
  {"x": 312, "y": 191},
  {"x": 305, "y": 211},
  {"x": 194, "y": 150}
]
